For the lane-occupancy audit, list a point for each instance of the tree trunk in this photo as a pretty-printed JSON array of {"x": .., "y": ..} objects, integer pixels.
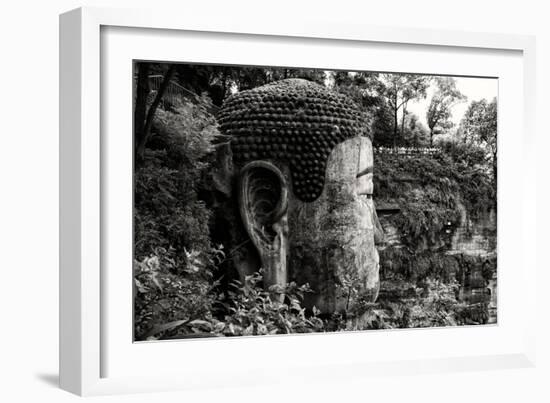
[
  {"x": 140, "y": 108},
  {"x": 395, "y": 125},
  {"x": 142, "y": 141},
  {"x": 403, "y": 120},
  {"x": 431, "y": 137}
]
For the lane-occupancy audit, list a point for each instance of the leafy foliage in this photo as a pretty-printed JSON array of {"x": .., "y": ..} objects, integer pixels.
[
  {"x": 439, "y": 111},
  {"x": 169, "y": 293},
  {"x": 479, "y": 125},
  {"x": 384, "y": 96},
  {"x": 431, "y": 190},
  {"x": 168, "y": 212},
  {"x": 174, "y": 255},
  {"x": 425, "y": 212},
  {"x": 435, "y": 192},
  {"x": 431, "y": 303},
  {"x": 479, "y": 128},
  {"x": 249, "y": 309},
  {"x": 220, "y": 81}
]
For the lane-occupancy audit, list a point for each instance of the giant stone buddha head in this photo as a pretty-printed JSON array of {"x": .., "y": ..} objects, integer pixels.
[{"x": 304, "y": 159}]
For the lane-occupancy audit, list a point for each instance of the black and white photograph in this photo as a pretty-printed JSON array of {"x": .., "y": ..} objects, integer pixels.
[
  {"x": 310, "y": 201},
  {"x": 275, "y": 200}
]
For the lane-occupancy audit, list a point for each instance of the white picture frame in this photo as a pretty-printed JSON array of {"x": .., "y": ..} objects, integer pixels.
[{"x": 93, "y": 342}]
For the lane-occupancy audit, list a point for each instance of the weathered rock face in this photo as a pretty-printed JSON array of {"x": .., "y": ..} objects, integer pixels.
[
  {"x": 472, "y": 245},
  {"x": 305, "y": 189},
  {"x": 331, "y": 240},
  {"x": 475, "y": 237}
]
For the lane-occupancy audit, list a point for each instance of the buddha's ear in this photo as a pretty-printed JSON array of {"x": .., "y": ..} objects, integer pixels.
[{"x": 263, "y": 201}]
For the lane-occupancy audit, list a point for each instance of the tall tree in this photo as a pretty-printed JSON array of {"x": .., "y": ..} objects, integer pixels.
[
  {"x": 280, "y": 73},
  {"x": 398, "y": 90},
  {"x": 365, "y": 89},
  {"x": 439, "y": 113},
  {"x": 415, "y": 133},
  {"x": 143, "y": 121},
  {"x": 140, "y": 108},
  {"x": 360, "y": 86},
  {"x": 221, "y": 81},
  {"x": 479, "y": 127}
]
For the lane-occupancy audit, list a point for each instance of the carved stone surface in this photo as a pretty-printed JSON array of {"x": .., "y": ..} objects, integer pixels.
[
  {"x": 331, "y": 240},
  {"x": 293, "y": 120},
  {"x": 305, "y": 189}
]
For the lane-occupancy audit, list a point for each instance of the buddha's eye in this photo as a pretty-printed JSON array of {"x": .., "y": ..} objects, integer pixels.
[{"x": 363, "y": 184}]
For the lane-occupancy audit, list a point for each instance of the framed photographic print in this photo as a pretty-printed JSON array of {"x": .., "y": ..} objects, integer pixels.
[{"x": 310, "y": 200}]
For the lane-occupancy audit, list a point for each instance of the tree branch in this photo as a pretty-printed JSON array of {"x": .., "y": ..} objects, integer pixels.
[{"x": 146, "y": 134}]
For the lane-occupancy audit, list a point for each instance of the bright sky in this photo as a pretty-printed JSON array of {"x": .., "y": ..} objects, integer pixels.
[{"x": 474, "y": 88}]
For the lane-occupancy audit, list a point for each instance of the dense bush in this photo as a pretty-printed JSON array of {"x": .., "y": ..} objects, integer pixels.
[
  {"x": 428, "y": 199},
  {"x": 473, "y": 171},
  {"x": 169, "y": 293},
  {"x": 167, "y": 209},
  {"x": 197, "y": 309},
  {"x": 432, "y": 189},
  {"x": 249, "y": 309},
  {"x": 405, "y": 304},
  {"x": 173, "y": 252}
]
